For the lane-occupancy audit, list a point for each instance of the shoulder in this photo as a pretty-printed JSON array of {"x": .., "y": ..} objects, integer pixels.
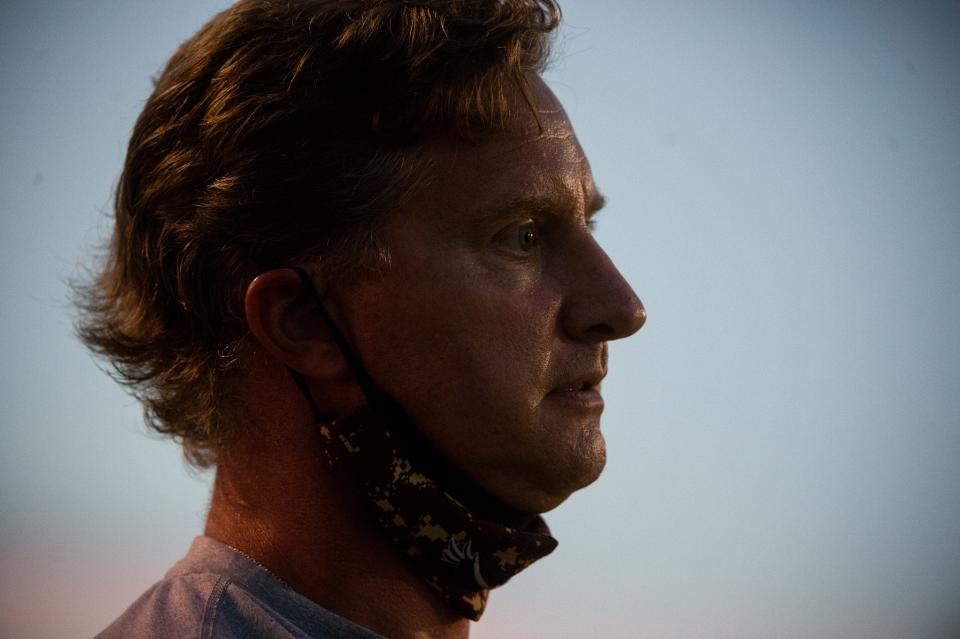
[
  {"x": 184, "y": 606},
  {"x": 202, "y": 606},
  {"x": 216, "y": 592}
]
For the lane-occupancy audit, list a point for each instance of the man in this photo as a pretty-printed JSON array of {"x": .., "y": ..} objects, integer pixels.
[{"x": 352, "y": 267}]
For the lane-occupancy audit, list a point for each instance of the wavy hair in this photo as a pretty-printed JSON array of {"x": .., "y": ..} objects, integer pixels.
[{"x": 281, "y": 132}]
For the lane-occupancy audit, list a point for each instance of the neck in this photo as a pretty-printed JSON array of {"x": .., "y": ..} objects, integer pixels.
[{"x": 275, "y": 500}]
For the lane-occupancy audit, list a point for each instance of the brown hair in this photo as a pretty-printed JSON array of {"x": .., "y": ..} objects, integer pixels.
[{"x": 281, "y": 132}]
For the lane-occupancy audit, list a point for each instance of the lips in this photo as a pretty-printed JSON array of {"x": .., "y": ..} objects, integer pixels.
[
  {"x": 580, "y": 391},
  {"x": 588, "y": 401},
  {"x": 570, "y": 389},
  {"x": 579, "y": 382}
]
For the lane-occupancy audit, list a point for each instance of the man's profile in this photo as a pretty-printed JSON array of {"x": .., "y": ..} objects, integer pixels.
[{"x": 353, "y": 269}]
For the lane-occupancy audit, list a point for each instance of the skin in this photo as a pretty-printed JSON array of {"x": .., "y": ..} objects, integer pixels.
[
  {"x": 477, "y": 330},
  {"x": 489, "y": 327}
]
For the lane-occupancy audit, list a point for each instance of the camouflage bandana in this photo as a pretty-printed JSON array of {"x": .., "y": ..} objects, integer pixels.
[
  {"x": 457, "y": 537},
  {"x": 460, "y": 553}
]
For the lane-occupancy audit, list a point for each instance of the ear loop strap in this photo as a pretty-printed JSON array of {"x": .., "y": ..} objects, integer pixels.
[{"x": 359, "y": 373}]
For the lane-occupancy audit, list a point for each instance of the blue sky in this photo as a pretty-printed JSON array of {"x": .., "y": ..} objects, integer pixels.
[{"x": 784, "y": 434}]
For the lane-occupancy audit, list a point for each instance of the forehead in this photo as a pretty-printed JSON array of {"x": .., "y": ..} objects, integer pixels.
[{"x": 538, "y": 157}]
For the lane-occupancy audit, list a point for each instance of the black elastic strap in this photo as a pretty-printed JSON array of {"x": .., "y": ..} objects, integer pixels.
[
  {"x": 359, "y": 373},
  {"x": 352, "y": 361},
  {"x": 301, "y": 382}
]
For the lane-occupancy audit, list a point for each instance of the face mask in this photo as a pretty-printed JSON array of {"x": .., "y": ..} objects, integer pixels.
[{"x": 457, "y": 537}]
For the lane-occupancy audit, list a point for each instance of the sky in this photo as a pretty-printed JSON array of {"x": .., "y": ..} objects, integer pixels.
[{"x": 783, "y": 186}]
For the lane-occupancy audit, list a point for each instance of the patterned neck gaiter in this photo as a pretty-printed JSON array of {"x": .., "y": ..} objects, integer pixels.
[
  {"x": 460, "y": 553},
  {"x": 456, "y": 536}
]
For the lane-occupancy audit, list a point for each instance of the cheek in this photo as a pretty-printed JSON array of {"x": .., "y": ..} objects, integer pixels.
[
  {"x": 471, "y": 359},
  {"x": 456, "y": 340},
  {"x": 480, "y": 347}
]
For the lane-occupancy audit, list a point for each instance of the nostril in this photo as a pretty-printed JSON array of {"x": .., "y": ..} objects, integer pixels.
[{"x": 604, "y": 331}]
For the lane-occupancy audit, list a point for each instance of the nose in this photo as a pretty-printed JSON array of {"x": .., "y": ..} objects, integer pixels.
[{"x": 600, "y": 305}]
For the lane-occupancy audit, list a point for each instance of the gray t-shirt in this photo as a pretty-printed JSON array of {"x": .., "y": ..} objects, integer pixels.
[{"x": 216, "y": 592}]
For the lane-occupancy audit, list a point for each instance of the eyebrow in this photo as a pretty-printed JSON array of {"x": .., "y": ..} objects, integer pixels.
[{"x": 535, "y": 204}]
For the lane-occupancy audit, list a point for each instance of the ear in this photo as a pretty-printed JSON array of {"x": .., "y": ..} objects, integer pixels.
[{"x": 284, "y": 318}]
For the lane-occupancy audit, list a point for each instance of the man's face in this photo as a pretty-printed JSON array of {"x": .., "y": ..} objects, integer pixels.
[{"x": 490, "y": 325}]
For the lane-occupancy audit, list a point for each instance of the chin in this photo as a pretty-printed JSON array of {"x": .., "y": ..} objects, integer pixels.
[{"x": 548, "y": 486}]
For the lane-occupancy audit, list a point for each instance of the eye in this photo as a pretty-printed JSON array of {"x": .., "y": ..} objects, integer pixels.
[{"x": 520, "y": 238}]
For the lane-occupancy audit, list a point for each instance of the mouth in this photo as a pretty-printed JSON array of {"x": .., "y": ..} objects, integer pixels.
[
  {"x": 575, "y": 389},
  {"x": 584, "y": 398},
  {"x": 581, "y": 393}
]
